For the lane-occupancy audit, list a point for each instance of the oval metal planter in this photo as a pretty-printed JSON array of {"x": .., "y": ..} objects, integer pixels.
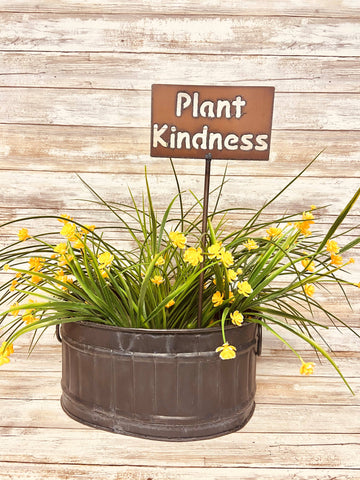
[{"x": 159, "y": 384}]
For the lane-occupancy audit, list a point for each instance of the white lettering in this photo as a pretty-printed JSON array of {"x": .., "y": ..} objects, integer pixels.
[
  {"x": 221, "y": 104},
  {"x": 209, "y": 106},
  {"x": 262, "y": 144},
  {"x": 183, "y": 100},
  {"x": 246, "y": 141},
  {"x": 172, "y": 136},
  {"x": 157, "y": 135},
  {"x": 201, "y": 136},
  {"x": 196, "y": 105},
  {"x": 231, "y": 141},
  {"x": 181, "y": 136},
  {"x": 238, "y": 103},
  {"x": 215, "y": 137}
]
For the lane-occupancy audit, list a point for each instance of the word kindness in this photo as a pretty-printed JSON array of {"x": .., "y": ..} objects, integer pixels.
[{"x": 200, "y": 120}]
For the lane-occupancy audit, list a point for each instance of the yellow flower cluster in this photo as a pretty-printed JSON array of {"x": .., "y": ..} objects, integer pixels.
[
  {"x": 70, "y": 231},
  {"x": 218, "y": 252},
  {"x": 193, "y": 256},
  {"x": 237, "y": 318},
  {"x": 5, "y": 352},
  {"x": 160, "y": 261},
  {"x": 244, "y": 288},
  {"x": 309, "y": 266},
  {"x": 273, "y": 232},
  {"x": 307, "y": 368},
  {"x": 178, "y": 239},
  {"x": 157, "y": 280},
  {"x": 23, "y": 234},
  {"x": 227, "y": 351},
  {"x": 36, "y": 263},
  {"x": 304, "y": 226},
  {"x": 217, "y": 299},
  {"x": 251, "y": 244},
  {"x": 309, "y": 289}
]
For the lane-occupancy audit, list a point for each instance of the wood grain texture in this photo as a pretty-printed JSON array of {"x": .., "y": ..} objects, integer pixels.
[
  {"x": 113, "y": 70},
  {"x": 271, "y": 450},
  {"x": 125, "y": 151},
  {"x": 322, "y": 8},
  {"x": 124, "y": 472},
  {"x": 181, "y": 34},
  {"x": 131, "y": 108}
]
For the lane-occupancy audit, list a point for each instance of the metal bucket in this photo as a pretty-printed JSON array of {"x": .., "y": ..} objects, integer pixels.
[{"x": 159, "y": 384}]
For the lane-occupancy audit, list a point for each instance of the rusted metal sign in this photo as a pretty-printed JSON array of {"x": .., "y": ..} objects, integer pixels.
[{"x": 227, "y": 122}]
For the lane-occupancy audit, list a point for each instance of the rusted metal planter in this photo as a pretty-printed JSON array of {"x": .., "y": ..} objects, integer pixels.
[{"x": 159, "y": 384}]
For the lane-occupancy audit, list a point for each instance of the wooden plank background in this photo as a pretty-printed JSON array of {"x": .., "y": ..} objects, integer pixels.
[{"x": 75, "y": 85}]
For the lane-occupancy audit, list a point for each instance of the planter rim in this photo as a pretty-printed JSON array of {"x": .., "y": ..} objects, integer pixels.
[{"x": 167, "y": 331}]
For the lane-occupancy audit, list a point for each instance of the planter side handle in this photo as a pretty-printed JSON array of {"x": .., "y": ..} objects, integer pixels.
[
  {"x": 259, "y": 341},
  {"x": 57, "y": 332}
]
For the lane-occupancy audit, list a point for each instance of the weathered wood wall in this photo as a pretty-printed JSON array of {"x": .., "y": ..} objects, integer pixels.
[{"x": 75, "y": 79}]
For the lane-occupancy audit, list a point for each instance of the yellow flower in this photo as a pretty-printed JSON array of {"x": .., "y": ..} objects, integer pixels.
[
  {"x": 157, "y": 279},
  {"x": 104, "y": 274},
  {"x": 23, "y": 234},
  {"x": 68, "y": 231},
  {"x": 226, "y": 351},
  {"x": 273, "y": 232},
  {"x": 13, "y": 285},
  {"x": 214, "y": 250},
  {"x": 65, "y": 218},
  {"x": 231, "y": 275},
  {"x": 226, "y": 258},
  {"x": 105, "y": 259},
  {"x": 36, "y": 263},
  {"x": 60, "y": 276},
  {"x": 239, "y": 271},
  {"x": 170, "y": 304},
  {"x": 193, "y": 256},
  {"x": 29, "y": 318},
  {"x": 6, "y": 267},
  {"x": 237, "y": 318},
  {"x": 308, "y": 216},
  {"x": 250, "y": 244},
  {"x": 231, "y": 297},
  {"x": 308, "y": 266},
  {"x": 5, "y": 352},
  {"x": 88, "y": 228},
  {"x": 65, "y": 260},
  {"x": 357, "y": 285},
  {"x": 60, "y": 248},
  {"x": 307, "y": 368},
  {"x": 9, "y": 349},
  {"x": 217, "y": 299},
  {"x": 304, "y": 226},
  {"x": 160, "y": 261},
  {"x": 336, "y": 260},
  {"x": 244, "y": 288},
  {"x": 178, "y": 239},
  {"x": 332, "y": 246},
  {"x": 78, "y": 242},
  {"x": 309, "y": 289},
  {"x": 35, "y": 279},
  {"x": 313, "y": 207},
  {"x": 15, "y": 313}
]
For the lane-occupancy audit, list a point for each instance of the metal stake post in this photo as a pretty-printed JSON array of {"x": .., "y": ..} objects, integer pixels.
[{"x": 208, "y": 159}]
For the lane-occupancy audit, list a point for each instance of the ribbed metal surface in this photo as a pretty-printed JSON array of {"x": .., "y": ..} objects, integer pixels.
[{"x": 164, "y": 384}]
